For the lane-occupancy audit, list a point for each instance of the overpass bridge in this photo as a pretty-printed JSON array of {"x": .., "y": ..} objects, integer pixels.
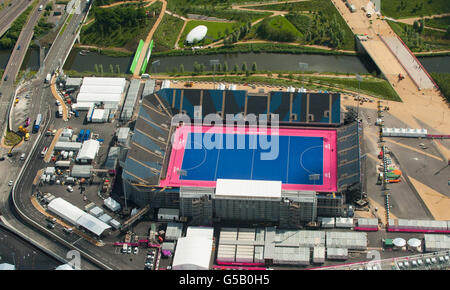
[{"x": 423, "y": 105}]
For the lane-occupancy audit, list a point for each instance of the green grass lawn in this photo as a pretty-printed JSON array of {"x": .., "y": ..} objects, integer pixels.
[
  {"x": 278, "y": 28},
  {"x": 167, "y": 33},
  {"x": 126, "y": 37},
  {"x": 414, "y": 8},
  {"x": 443, "y": 81},
  {"x": 216, "y": 30},
  {"x": 371, "y": 86},
  {"x": 441, "y": 22},
  {"x": 430, "y": 39},
  {"x": 329, "y": 12}
]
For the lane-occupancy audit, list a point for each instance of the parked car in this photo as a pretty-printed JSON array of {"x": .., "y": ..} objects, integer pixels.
[
  {"x": 69, "y": 188},
  {"x": 129, "y": 250},
  {"x": 136, "y": 250},
  {"x": 10, "y": 183}
]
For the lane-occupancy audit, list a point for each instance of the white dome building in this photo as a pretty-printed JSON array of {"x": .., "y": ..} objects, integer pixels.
[{"x": 196, "y": 34}]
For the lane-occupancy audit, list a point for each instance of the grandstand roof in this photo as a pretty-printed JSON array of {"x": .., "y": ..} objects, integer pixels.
[{"x": 248, "y": 188}]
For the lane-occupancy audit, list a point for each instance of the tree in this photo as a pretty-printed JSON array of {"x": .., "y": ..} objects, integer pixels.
[
  {"x": 118, "y": 68},
  {"x": 422, "y": 26},
  {"x": 254, "y": 67},
  {"x": 225, "y": 67},
  {"x": 181, "y": 68},
  {"x": 111, "y": 68},
  {"x": 244, "y": 66},
  {"x": 235, "y": 68},
  {"x": 96, "y": 68}
]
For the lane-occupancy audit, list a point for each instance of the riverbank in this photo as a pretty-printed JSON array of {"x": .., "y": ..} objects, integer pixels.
[
  {"x": 255, "y": 48},
  {"x": 369, "y": 86}
]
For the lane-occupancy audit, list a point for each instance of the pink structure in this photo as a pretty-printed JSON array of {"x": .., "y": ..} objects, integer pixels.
[
  {"x": 181, "y": 136},
  {"x": 418, "y": 231},
  {"x": 366, "y": 229},
  {"x": 215, "y": 267}
]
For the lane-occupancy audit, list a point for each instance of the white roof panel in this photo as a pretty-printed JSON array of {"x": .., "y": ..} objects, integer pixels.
[
  {"x": 89, "y": 150},
  {"x": 238, "y": 188},
  {"x": 205, "y": 232},
  {"x": 197, "y": 34},
  {"x": 92, "y": 224},
  {"x": 98, "y": 98},
  {"x": 95, "y": 81},
  {"x": 192, "y": 253},
  {"x": 65, "y": 210}
]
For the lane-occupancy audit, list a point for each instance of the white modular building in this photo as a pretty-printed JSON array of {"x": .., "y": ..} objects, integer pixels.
[
  {"x": 68, "y": 146},
  {"x": 97, "y": 115},
  {"x": 337, "y": 253},
  {"x": 327, "y": 222},
  {"x": 168, "y": 214},
  {"x": 111, "y": 204},
  {"x": 291, "y": 256},
  {"x": 122, "y": 135},
  {"x": 105, "y": 218},
  {"x": 342, "y": 222},
  {"x": 96, "y": 211},
  {"x": 173, "y": 231},
  {"x": 319, "y": 255},
  {"x": 80, "y": 171},
  {"x": 88, "y": 151},
  {"x": 115, "y": 224},
  {"x": 348, "y": 240}
]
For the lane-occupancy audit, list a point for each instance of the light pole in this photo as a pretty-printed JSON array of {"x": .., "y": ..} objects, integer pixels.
[
  {"x": 181, "y": 172},
  {"x": 213, "y": 63},
  {"x": 359, "y": 79},
  {"x": 303, "y": 66},
  {"x": 156, "y": 63}
]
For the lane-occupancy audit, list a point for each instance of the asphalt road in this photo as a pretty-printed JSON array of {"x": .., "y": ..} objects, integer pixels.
[
  {"x": 41, "y": 100},
  {"x": 20, "y": 49},
  {"x": 10, "y": 13},
  {"x": 16, "y": 251}
]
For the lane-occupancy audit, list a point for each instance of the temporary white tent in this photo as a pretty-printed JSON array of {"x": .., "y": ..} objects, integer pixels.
[
  {"x": 65, "y": 210},
  {"x": 111, "y": 204},
  {"x": 77, "y": 216},
  {"x": 193, "y": 253},
  {"x": 93, "y": 224},
  {"x": 89, "y": 150},
  {"x": 94, "y": 81}
]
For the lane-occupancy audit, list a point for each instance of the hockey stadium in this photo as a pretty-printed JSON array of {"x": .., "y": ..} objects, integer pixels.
[{"x": 230, "y": 156}]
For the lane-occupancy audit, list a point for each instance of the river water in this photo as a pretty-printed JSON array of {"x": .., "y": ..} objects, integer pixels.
[{"x": 264, "y": 61}]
